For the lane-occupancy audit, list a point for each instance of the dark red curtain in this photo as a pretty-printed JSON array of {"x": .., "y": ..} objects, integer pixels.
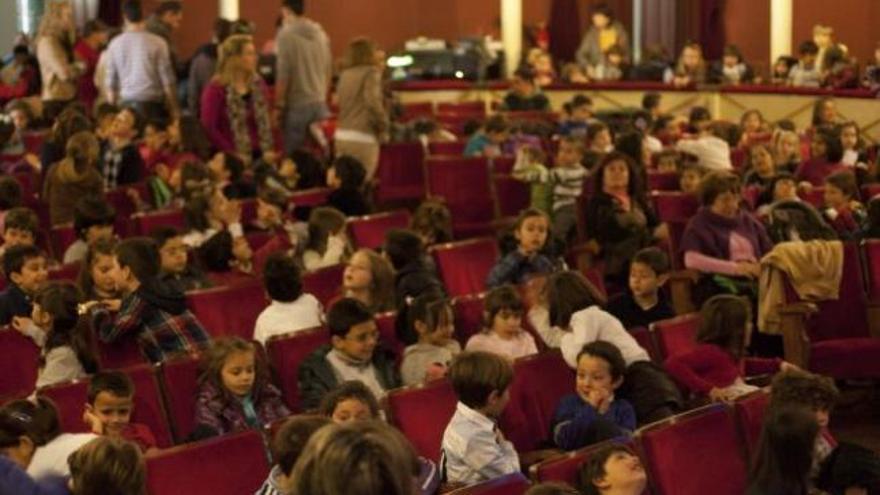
[
  {"x": 701, "y": 21},
  {"x": 565, "y": 29},
  {"x": 110, "y": 11}
]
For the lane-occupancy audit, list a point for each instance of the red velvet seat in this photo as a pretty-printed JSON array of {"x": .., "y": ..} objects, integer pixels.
[
  {"x": 248, "y": 210},
  {"x": 18, "y": 367},
  {"x": 646, "y": 340},
  {"x": 324, "y": 284},
  {"x": 871, "y": 248},
  {"x": 121, "y": 201},
  {"x": 179, "y": 379},
  {"x": 539, "y": 383},
  {"x": 535, "y": 116},
  {"x": 834, "y": 337},
  {"x": 566, "y": 468},
  {"x": 511, "y": 484},
  {"x": 67, "y": 272},
  {"x": 61, "y": 236},
  {"x": 309, "y": 197},
  {"x": 815, "y": 196},
  {"x": 464, "y": 182},
  {"x": 502, "y": 164},
  {"x": 468, "y": 311},
  {"x": 750, "y": 411},
  {"x": 464, "y": 265},
  {"x": 123, "y": 353},
  {"x": 477, "y": 108},
  {"x": 369, "y": 231},
  {"x": 417, "y": 109},
  {"x": 257, "y": 240},
  {"x": 149, "y": 408},
  {"x": 144, "y": 223},
  {"x": 287, "y": 352},
  {"x": 231, "y": 310},
  {"x": 869, "y": 191},
  {"x": 513, "y": 195},
  {"x": 675, "y": 208},
  {"x": 454, "y": 148},
  {"x": 228, "y": 465},
  {"x": 695, "y": 453},
  {"x": 422, "y": 413},
  {"x": 676, "y": 335},
  {"x": 385, "y": 322},
  {"x": 662, "y": 181},
  {"x": 400, "y": 172},
  {"x": 455, "y": 122}
]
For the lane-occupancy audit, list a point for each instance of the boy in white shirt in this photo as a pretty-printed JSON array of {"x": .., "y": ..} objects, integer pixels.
[
  {"x": 291, "y": 309},
  {"x": 473, "y": 448}
]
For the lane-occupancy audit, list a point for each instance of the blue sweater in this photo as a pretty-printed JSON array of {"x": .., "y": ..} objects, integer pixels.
[
  {"x": 516, "y": 269},
  {"x": 13, "y": 480},
  {"x": 573, "y": 416}
]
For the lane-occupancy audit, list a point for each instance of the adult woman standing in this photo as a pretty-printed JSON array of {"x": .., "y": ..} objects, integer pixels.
[
  {"x": 604, "y": 33},
  {"x": 235, "y": 108},
  {"x": 362, "y": 116},
  {"x": 55, "y": 40}
]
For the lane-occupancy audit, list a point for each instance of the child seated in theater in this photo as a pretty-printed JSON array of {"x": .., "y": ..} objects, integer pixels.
[
  {"x": 531, "y": 231},
  {"x": 690, "y": 69},
  {"x": 826, "y": 153},
  {"x": 65, "y": 353},
  {"x": 272, "y": 208},
  {"x": 93, "y": 219},
  {"x": 350, "y": 401},
  {"x": 573, "y": 318},
  {"x": 414, "y": 272},
  {"x": 432, "y": 221},
  {"x": 291, "y": 309},
  {"x": 709, "y": 146},
  {"x": 600, "y": 144},
  {"x": 524, "y": 94},
  {"x": 95, "y": 279},
  {"x": 667, "y": 161},
  {"x": 152, "y": 311},
  {"x": 689, "y": 177},
  {"x": 491, "y": 139},
  {"x": 369, "y": 278},
  {"x": 854, "y": 152},
  {"x": 346, "y": 177},
  {"x": 473, "y": 448},
  {"x": 715, "y": 368},
  {"x": 228, "y": 260},
  {"x": 502, "y": 332},
  {"x": 593, "y": 413},
  {"x": 431, "y": 318},
  {"x": 644, "y": 303},
  {"x": 20, "y": 227},
  {"x": 286, "y": 446},
  {"x": 614, "y": 469},
  {"x": 353, "y": 354},
  {"x": 206, "y": 213},
  {"x": 10, "y": 197},
  {"x": 176, "y": 266},
  {"x": 107, "y": 465},
  {"x": 109, "y": 406},
  {"x": 235, "y": 389},
  {"x": 612, "y": 66},
  {"x": 25, "y": 270},
  {"x": 328, "y": 244},
  {"x": 227, "y": 171},
  {"x": 121, "y": 162},
  {"x": 806, "y": 74},
  {"x": 843, "y": 211},
  {"x": 781, "y": 69},
  {"x": 731, "y": 69},
  {"x": 761, "y": 167},
  {"x": 155, "y": 149},
  {"x": 580, "y": 115}
]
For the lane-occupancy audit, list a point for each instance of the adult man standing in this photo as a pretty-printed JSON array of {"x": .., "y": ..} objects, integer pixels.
[
  {"x": 139, "y": 71},
  {"x": 165, "y": 22},
  {"x": 304, "y": 68}
]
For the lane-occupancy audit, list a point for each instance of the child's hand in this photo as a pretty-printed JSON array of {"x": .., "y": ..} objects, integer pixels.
[
  {"x": 596, "y": 397},
  {"x": 720, "y": 395},
  {"x": 113, "y": 304},
  {"x": 95, "y": 424},
  {"x": 748, "y": 269},
  {"x": 232, "y": 213}
]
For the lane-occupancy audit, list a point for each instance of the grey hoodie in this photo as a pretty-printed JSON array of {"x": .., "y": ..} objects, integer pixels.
[{"x": 304, "y": 61}]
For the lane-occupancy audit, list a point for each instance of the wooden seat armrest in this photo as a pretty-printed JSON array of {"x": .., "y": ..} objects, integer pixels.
[
  {"x": 793, "y": 327},
  {"x": 681, "y": 284}
]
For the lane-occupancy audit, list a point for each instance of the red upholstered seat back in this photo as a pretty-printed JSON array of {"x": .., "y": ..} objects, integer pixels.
[
  {"x": 815, "y": 196},
  {"x": 705, "y": 439},
  {"x": 662, "y": 181},
  {"x": 324, "y": 284},
  {"x": 464, "y": 265},
  {"x": 62, "y": 236},
  {"x": 750, "y": 411},
  {"x": 228, "y": 465},
  {"x": 468, "y": 311},
  {"x": 400, "y": 172},
  {"x": 475, "y": 108},
  {"x": 417, "y": 109},
  {"x": 422, "y": 413},
  {"x": 454, "y": 148},
  {"x": 67, "y": 272},
  {"x": 385, "y": 322},
  {"x": 287, "y": 352},
  {"x": 676, "y": 335},
  {"x": 646, "y": 340},
  {"x": 149, "y": 408},
  {"x": 309, "y": 197},
  {"x": 675, "y": 208},
  {"x": 144, "y": 223},
  {"x": 464, "y": 182},
  {"x": 566, "y": 468},
  {"x": 369, "y": 231},
  {"x": 230, "y": 310},
  {"x": 179, "y": 378},
  {"x": 872, "y": 257},
  {"x": 503, "y": 164},
  {"x": 18, "y": 367},
  {"x": 511, "y": 484},
  {"x": 513, "y": 195}
]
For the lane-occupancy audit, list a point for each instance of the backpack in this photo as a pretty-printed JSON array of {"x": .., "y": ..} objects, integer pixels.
[{"x": 797, "y": 221}]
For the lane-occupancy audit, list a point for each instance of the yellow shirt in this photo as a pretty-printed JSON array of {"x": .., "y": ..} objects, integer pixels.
[{"x": 607, "y": 39}]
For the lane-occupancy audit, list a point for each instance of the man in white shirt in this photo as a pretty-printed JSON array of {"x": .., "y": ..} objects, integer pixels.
[
  {"x": 291, "y": 309},
  {"x": 710, "y": 147}
]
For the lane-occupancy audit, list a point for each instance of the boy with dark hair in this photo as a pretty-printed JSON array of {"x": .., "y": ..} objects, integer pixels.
[
  {"x": 20, "y": 226},
  {"x": 290, "y": 310},
  {"x": 524, "y": 94},
  {"x": 353, "y": 354},
  {"x": 153, "y": 311},
  {"x": 287, "y": 445},
  {"x": 346, "y": 178},
  {"x": 413, "y": 275},
  {"x": 93, "y": 219},
  {"x": 175, "y": 265},
  {"x": 806, "y": 73},
  {"x": 228, "y": 170},
  {"x": 228, "y": 259},
  {"x": 473, "y": 448},
  {"x": 490, "y": 140},
  {"x": 613, "y": 469},
  {"x": 121, "y": 162},
  {"x": 644, "y": 302},
  {"x": 26, "y": 273},
  {"x": 580, "y": 114},
  {"x": 109, "y": 408}
]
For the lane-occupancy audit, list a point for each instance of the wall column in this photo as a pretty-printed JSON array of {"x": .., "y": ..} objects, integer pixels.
[
  {"x": 229, "y": 9},
  {"x": 511, "y": 33},
  {"x": 781, "y": 14}
]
